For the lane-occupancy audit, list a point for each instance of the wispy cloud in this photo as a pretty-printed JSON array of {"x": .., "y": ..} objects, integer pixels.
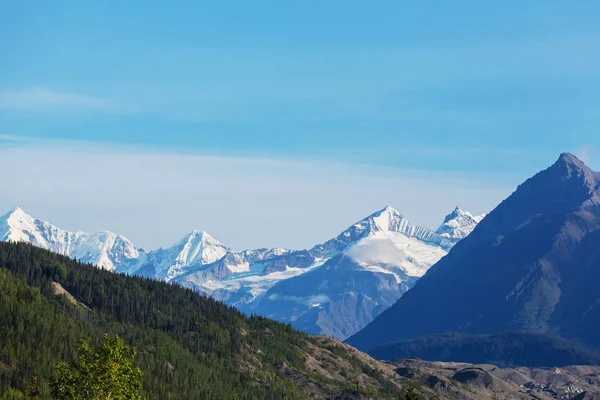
[
  {"x": 154, "y": 197},
  {"x": 586, "y": 153},
  {"x": 16, "y": 138},
  {"x": 40, "y": 99}
]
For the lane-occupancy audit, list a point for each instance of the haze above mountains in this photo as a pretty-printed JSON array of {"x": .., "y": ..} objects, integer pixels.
[{"x": 334, "y": 288}]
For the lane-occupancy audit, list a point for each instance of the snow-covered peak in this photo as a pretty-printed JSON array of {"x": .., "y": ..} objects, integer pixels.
[
  {"x": 195, "y": 248},
  {"x": 389, "y": 219},
  {"x": 16, "y": 216},
  {"x": 201, "y": 248},
  {"x": 198, "y": 232},
  {"x": 15, "y": 213},
  {"x": 105, "y": 249},
  {"x": 457, "y": 213},
  {"x": 18, "y": 226},
  {"x": 458, "y": 225},
  {"x": 386, "y": 220},
  {"x": 201, "y": 237}
]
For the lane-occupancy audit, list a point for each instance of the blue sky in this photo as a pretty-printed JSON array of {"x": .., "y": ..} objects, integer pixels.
[{"x": 487, "y": 94}]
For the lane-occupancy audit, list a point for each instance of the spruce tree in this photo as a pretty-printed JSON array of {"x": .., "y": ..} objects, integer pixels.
[{"x": 411, "y": 393}]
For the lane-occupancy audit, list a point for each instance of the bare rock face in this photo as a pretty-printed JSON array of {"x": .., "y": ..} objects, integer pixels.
[{"x": 532, "y": 265}]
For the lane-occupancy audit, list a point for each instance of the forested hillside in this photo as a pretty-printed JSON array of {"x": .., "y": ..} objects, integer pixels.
[{"x": 189, "y": 346}]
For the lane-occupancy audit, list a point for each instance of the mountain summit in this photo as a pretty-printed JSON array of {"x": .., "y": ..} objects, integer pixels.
[
  {"x": 385, "y": 221},
  {"x": 458, "y": 225},
  {"x": 195, "y": 249},
  {"x": 532, "y": 264}
]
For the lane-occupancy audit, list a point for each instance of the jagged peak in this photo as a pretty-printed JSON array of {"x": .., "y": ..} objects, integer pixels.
[
  {"x": 456, "y": 213},
  {"x": 16, "y": 212},
  {"x": 385, "y": 210},
  {"x": 198, "y": 232},
  {"x": 388, "y": 208},
  {"x": 202, "y": 237},
  {"x": 569, "y": 159},
  {"x": 384, "y": 219},
  {"x": 569, "y": 166},
  {"x": 458, "y": 224}
]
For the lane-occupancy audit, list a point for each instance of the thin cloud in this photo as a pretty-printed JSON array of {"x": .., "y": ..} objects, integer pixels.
[
  {"x": 155, "y": 198},
  {"x": 16, "y": 138},
  {"x": 586, "y": 153},
  {"x": 40, "y": 99}
]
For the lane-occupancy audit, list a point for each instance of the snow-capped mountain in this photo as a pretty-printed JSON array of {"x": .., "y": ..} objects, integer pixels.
[
  {"x": 361, "y": 272},
  {"x": 105, "y": 249},
  {"x": 387, "y": 238},
  {"x": 384, "y": 241},
  {"x": 111, "y": 251},
  {"x": 458, "y": 224},
  {"x": 335, "y": 288},
  {"x": 195, "y": 249},
  {"x": 383, "y": 221}
]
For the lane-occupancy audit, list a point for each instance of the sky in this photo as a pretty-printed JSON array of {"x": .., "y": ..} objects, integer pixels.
[{"x": 280, "y": 123}]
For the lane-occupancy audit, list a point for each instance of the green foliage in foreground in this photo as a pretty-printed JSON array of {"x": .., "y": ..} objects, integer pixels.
[{"x": 99, "y": 374}]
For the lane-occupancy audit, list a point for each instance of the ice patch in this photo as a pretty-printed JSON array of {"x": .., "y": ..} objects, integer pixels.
[{"x": 393, "y": 249}]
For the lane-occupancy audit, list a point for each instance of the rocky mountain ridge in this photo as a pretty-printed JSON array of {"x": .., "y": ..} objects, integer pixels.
[
  {"x": 372, "y": 263},
  {"x": 531, "y": 265}
]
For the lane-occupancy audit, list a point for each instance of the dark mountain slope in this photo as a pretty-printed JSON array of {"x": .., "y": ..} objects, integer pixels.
[
  {"x": 529, "y": 265},
  {"x": 189, "y": 346}
]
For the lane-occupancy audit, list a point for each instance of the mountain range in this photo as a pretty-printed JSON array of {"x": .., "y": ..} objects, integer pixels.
[
  {"x": 335, "y": 288},
  {"x": 532, "y": 265},
  {"x": 517, "y": 288},
  {"x": 188, "y": 346}
]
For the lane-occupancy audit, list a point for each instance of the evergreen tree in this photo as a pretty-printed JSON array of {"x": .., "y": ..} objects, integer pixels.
[
  {"x": 411, "y": 394},
  {"x": 33, "y": 390}
]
